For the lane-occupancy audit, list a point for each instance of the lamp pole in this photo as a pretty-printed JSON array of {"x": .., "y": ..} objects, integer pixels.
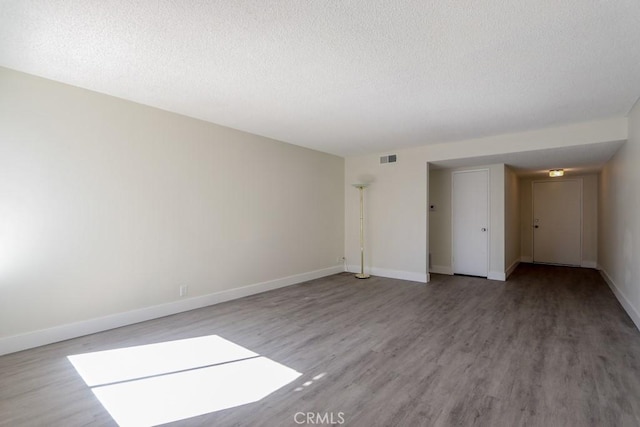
[{"x": 362, "y": 274}]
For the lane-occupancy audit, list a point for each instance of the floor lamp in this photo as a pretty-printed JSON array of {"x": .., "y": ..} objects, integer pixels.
[{"x": 361, "y": 275}]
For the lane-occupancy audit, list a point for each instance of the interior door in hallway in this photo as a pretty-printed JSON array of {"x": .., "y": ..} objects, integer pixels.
[
  {"x": 557, "y": 222},
  {"x": 470, "y": 222}
]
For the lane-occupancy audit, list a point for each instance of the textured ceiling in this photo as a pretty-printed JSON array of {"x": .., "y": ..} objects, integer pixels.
[{"x": 344, "y": 77}]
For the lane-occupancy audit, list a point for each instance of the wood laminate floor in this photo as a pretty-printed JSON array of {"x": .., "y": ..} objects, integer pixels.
[{"x": 549, "y": 347}]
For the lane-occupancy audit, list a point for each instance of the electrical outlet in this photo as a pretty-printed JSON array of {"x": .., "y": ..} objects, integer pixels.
[{"x": 184, "y": 290}]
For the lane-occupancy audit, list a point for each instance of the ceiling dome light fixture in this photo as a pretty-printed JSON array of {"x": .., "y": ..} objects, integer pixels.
[{"x": 553, "y": 173}]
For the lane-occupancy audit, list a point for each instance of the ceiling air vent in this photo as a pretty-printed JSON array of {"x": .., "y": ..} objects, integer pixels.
[{"x": 391, "y": 158}]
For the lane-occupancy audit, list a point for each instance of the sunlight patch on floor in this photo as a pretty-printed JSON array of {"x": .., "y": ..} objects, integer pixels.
[{"x": 159, "y": 383}]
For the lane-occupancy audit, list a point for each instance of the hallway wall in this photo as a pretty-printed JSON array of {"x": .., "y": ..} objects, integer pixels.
[{"x": 619, "y": 224}]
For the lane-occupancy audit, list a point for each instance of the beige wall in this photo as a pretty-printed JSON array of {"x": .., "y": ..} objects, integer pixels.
[
  {"x": 397, "y": 241},
  {"x": 440, "y": 221},
  {"x": 619, "y": 220},
  {"x": 108, "y": 206},
  {"x": 394, "y": 240},
  {"x": 589, "y": 219},
  {"x": 497, "y": 222},
  {"x": 512, "y": 220}
]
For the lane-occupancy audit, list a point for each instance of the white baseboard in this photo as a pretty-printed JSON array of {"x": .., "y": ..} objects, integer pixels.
[
  {"x": 402, "y": 275},
  {"x": 492, "y": 275},
  {"x": 624, "y": 301},
  {"x": 584, "y": 264},
  {"x": 441, "y": 269},
  {"x": 73, "y": 330},
  {"x": 512, "y": 267},
  {"x": 392, "y": 274},
  {"x": 497, "y": 275}
]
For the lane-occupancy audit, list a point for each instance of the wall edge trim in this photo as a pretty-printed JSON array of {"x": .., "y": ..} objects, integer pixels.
[
  {"x": 392, "y": 274},
  {"x": 25, "y": 341},
  {"x": 622, "y": 298}
]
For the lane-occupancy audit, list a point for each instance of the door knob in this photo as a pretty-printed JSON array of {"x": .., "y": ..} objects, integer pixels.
[
  {"x": 536, "y": 226},
  {"x": 483, "y": 229}
]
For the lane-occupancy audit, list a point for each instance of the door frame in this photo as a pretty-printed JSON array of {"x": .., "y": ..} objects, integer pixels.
[
  {"x": 533, "y": 201},
  {"x": 489, "y": 228}
]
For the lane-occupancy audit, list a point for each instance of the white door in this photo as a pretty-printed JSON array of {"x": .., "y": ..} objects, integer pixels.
[
  {"x": 470, "y": 222},
  {"x": 557, "y": 222}
]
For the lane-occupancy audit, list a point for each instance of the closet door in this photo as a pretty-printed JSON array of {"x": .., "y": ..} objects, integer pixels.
[{"x": 470, "y": 222}]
